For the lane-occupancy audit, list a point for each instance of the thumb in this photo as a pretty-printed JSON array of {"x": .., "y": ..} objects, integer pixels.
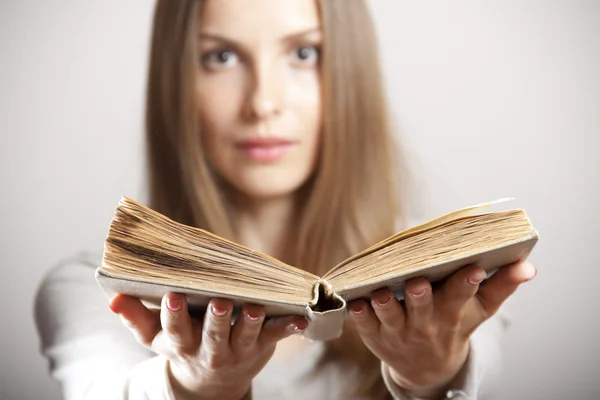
[
  {"x": 143, "y": 323},
  {"x": 277, "y": 328}
]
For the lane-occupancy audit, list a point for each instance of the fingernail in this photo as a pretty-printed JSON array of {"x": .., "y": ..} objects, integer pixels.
[
  {"x": 295, "y": 328},
  {"x": 419, "y": 294},
  {"x": 530, "y": 272},
  {"x": 384, "y": 302},
  {"x": 218, "y": 311},
  {"x": 252, "y": 317},
  {"x": 174, "y": 304},
  {"x": 356, "y": 308},
  {"x": 111, "y": 306},
  {"x": 475, "y": 280}
]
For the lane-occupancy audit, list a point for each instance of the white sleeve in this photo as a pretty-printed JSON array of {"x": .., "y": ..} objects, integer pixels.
[
  {"x": 477, "y": 378},
  {"x": 90, "y": 353}
]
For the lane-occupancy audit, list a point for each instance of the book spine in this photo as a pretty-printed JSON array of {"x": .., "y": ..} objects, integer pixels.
[{"x": 325, "y": 314}]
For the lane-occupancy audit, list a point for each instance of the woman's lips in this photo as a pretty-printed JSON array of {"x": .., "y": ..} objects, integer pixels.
[{"x": 265, "y": 149}]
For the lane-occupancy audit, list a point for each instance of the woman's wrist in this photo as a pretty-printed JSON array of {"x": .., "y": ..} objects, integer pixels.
[
  {"x": 435, "y": 388},
  {"x": 184, "y": 390},
  {"x": 432, "y": 392}
]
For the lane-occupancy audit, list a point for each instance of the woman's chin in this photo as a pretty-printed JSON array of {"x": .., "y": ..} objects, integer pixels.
[{"x": 269, "y": 190}]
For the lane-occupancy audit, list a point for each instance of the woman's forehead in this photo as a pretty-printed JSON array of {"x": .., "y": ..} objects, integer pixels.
[{"x": 248, "y": 19}]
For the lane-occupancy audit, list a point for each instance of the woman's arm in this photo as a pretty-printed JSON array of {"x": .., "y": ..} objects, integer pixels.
[
  {"x": 480, "y": 371},
  {"x": 89, "y": 351}
]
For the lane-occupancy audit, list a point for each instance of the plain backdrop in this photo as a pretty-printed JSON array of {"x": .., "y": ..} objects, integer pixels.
[{"x": 491, "y": 98}]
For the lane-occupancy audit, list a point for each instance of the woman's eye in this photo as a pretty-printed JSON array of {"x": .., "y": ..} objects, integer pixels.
[
  {"x": 306, "y": 55},
  {"x": 219, "y": 59}
]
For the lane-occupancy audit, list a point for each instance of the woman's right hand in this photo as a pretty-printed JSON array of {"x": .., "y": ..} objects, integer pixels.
[{"x": 209, "y": 358}]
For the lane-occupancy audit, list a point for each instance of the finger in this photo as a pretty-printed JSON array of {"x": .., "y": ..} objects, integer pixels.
[
  {"x": 275, "y": 329},
  {"x": 176, "y": 322},
  {"x": 456, "y": 292},
  {"x": 419, "y": 306},
  {"x": 143, "y": 323},
  {"x": 388, "y": 310},
  {"x": 216, "y": 328},
  {"x": 366, "y": 322},
  {"x": 247, "y": 328},
  {"x": 493, "y": 292}
]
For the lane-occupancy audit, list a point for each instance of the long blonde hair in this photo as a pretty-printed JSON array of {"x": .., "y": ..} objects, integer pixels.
[{"x": 350, "y": 203}]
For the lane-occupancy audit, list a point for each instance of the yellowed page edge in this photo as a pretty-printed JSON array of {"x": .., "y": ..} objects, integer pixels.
[
  {"x": 123, "y": 203},
  {"x": 100, "y": 271},
  {"x": 463, "y": 212},
  {"x": 523, "y": 246}
]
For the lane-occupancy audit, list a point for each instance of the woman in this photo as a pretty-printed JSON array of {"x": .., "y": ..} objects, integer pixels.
[{"x": 266, "y": 124}]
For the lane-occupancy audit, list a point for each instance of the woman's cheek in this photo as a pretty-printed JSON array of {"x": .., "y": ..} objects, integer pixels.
[
  {"x": 218, "y": 103},
  {"x": 305, "y": 87},
  {"x": 308, "y": 103},
  {"x": 218, "y": 118}
]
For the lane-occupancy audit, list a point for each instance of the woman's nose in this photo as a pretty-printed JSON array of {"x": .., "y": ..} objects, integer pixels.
[{"x": 266, "y": 96}]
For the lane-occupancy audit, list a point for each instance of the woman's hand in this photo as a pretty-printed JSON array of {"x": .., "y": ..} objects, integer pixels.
[
  {"x": 210, "y": 358},
  {"x": 426, "y": 342}
]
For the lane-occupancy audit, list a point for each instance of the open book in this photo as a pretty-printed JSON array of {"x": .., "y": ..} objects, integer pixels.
[{"x": 147, "y": 255}]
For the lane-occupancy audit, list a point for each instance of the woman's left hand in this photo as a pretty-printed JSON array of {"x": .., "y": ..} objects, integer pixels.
[{"x": 426, "y": 342}]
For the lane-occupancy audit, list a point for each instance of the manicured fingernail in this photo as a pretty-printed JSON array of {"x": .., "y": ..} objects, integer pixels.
[
  {"x": 419, "y": 294},
  {"x": 475, "y": 280},
  {"x": 530, "y": 272},
  {"x": 383, "y": 302},
  {"x": 296, "y": 328},
  {"x": 174, "y": 304},
  {"x": 111, "y": 306},
  {"x": 252, "y": 317},
  {"x": 356, "y": 308},
  {"x": 219, "y": 312}
]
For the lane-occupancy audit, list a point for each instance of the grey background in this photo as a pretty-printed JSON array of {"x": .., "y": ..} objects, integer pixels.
[{"x": 492, "y": 99}]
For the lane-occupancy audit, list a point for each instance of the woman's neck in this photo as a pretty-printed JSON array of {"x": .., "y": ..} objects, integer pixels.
[
  {"x": 264, "y": 225},
  {"x": 268, "y": 226}
]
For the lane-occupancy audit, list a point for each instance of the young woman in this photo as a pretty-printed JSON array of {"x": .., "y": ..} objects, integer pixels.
[{"x": 266, "y": 124}]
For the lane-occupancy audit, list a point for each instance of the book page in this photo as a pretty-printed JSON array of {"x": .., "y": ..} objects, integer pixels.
[
  {"x": 145, "y": 246},
  {"x": 455, "y": 239},
  {"x": 463, "y": 212}
]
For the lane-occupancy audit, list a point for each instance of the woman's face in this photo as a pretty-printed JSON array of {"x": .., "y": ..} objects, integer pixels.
[{"x": 259, "y": 92}]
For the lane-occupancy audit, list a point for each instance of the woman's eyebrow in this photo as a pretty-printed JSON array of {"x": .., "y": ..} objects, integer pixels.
[
  {"x": 215, "y": 37},
  {"x": 293, "y": 36},
  {"x": 233, "y": 43}
]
